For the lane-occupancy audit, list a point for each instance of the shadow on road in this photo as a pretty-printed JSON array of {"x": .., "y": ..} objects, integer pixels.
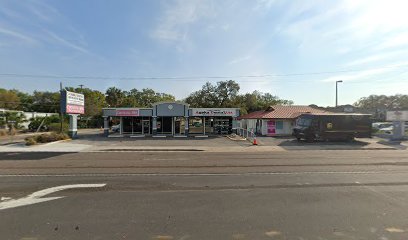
[{"x": 4, "y": 156}]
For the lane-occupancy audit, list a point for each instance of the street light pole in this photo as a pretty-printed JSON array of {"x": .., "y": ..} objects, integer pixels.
[{"x": 339, "y": 81}]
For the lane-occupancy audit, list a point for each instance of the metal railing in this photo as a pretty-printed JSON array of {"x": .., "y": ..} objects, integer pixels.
[{"x": 247, "y": 134}]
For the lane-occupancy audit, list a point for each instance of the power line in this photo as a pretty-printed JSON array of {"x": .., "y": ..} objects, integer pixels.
[{"x": 191, "y": 78}]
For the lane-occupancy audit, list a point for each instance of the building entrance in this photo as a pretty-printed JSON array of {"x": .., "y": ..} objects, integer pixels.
[{"x": 165, "y": 125}]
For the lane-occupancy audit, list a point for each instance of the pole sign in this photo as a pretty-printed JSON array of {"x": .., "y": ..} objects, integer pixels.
[
  {"x": 204, "y": 112},
  {"x": 397, "y": 116},
  {"x": 72, "y": 103}
]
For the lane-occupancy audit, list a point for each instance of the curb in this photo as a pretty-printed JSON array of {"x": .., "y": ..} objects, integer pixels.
[
  {"x": 232, "y": 139},
  {"x": 50, "y": 143}
]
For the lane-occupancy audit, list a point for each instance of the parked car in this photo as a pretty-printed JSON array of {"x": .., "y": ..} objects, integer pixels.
[
  {"x": 116, "y": 128},
  {"x": 380, "y": 125}
]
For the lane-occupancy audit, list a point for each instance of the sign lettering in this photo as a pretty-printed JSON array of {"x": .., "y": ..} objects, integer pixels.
[
  {"x": 213, "y": 112},
  {"x": 127, "y": 112}
]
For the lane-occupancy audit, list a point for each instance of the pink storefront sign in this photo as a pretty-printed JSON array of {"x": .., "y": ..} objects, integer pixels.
[
  {"x": 75, "y": 109},
  {"x": 127, "y": 112}
]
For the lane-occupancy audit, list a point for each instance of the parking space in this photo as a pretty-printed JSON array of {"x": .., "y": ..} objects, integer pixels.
[{"x": 96, "y": 138}]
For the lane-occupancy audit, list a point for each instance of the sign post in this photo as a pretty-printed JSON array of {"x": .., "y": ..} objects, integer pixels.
[
  {"x": 72, "y": 104},
  {"x": 398, "y": 118}
]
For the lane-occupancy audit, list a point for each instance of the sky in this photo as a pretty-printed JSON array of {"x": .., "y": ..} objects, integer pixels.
[{"x": 295, "y": 49}]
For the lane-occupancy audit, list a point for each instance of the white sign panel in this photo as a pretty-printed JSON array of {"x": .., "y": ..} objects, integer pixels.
[
  {"x": 397, "y": 116},
  {"x": 75, "y": 99},
  {"x": 227, "y": 112}
]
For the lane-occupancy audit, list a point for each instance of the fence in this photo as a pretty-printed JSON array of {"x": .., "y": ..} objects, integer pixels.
[{"x": 247, "y": 134}]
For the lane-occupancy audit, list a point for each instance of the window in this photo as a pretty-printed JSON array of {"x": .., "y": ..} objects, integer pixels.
[{"x": 279, "y": 125}]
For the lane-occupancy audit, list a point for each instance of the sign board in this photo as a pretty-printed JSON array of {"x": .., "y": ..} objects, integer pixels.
[
  {"x": 72, "y": 103},
  {"x": 220, "y": 112},
  {"x": 127, "y": 112},
  {"x": 75, "y": 99},
  {"x": 397, "y": 116},
  {"x": 271, "y": 127}
]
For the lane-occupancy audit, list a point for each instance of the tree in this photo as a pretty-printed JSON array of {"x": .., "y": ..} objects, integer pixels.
[
  {"x": 115, "y": 97},
  {"x": 145, "y": 98},
  {"x": 15, "y": 119},
  {"x": 9, "y": 99},
  {"x": 226, "y": 94},
  {"x": 383, "y": 102},
  {"x": 46, "y": 101}
]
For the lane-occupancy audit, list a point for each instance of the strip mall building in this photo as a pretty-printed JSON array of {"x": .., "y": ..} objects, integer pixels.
[{"x": 172, "y": 118}]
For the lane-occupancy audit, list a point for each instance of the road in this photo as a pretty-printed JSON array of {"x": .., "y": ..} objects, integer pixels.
[{"x": 198, "y": 195}]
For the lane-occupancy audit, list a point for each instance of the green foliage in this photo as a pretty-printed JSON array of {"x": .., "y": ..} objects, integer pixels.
[
  {"x": 9, "y": 99},
  {"x": 374, "y": 102},
  {"x": 46, "y": 121},
  {"x": 135, "y": 98},
  {"x": 226, "y": 94},
  {"x": 55, "y": 127},
  {"x": 14, "y": 119}
]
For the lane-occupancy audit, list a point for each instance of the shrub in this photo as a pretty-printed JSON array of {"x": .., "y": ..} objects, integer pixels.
[
  {"x": 30, "y": 141},
  {"x": 36, "y": 122},
  {"x": 3, "y": 132},
  {"x": 46, "y": 138}
]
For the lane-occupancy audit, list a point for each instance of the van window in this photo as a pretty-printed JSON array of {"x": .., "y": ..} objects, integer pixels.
[{"x": 304, "y": 122}]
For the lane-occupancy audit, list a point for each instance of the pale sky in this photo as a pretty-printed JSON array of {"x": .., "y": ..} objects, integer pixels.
[{"x": 296, "y": 49}]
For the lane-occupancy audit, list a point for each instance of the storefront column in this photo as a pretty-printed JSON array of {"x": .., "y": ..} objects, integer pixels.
[
  {"x": 234, "y": 125},
  {"x": 186, "y": 125},
  {"x": 121, "y": 126},
  {"x": 105, "y": 126},
  {"x": 203, "y": 125},
  {"x": 154, "y": 127}
]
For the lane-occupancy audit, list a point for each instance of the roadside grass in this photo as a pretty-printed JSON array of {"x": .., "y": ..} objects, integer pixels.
[{"x": 45, "y": 138}]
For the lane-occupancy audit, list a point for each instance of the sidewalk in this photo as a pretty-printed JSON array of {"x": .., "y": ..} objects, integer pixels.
[{"x": 163, "y": 146}]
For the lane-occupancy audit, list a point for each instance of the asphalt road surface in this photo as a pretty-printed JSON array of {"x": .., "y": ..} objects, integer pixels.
[{"x": 285, "y": 195}]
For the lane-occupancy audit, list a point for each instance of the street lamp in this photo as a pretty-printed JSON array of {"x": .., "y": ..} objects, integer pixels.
[{"x": 339, "y": 81}]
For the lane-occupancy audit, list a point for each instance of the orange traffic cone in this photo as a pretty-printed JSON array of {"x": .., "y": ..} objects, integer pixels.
[{"x": 254, "y": 142}]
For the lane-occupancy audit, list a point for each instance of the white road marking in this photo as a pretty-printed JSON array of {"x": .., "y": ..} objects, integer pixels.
[
  {"x": 36, "y": 197},
  {"x": 197, "y": 174}
]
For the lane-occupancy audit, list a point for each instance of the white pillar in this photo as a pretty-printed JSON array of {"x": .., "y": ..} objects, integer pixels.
[
  {"x": 204, "y": 125},
  {"x": 121, "y": 126}
]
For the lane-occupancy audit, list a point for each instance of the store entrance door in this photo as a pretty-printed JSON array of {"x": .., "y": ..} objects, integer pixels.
[
  {"x": 146, "y": 127},
  {"x": 179, "y": 126}
]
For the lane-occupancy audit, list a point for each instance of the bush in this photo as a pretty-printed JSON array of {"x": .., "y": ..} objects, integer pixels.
[
  {"x": 30, "y": 141},
  {"x": 36, "y": 122},
  {"x": 46, "y": 138},
  {"x": 3, "y": 132}
]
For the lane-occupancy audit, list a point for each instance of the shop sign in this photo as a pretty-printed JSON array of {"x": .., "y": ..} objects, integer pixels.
[
  {"x": 397, "y": 116},
  {"x": 72, "y": 103},
  {"x": 127, "y": 112},
  {"x": 214, "y": 112},
  {"x": 271, "y": 127}
]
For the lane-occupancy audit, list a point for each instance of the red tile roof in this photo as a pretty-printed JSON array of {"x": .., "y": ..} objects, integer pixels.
[{"x": 281, "y": 112}]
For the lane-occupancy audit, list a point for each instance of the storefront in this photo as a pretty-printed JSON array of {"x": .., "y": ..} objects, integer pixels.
[
  {"x": 209, "y": 121},
  {"x": 170, "y": 119}
]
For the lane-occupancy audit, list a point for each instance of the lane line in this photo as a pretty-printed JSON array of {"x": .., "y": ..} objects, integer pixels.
[{"x": 197, "y": 174}]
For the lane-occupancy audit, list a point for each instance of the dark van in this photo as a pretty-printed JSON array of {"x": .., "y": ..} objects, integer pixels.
[{"x": 332, "y": 126}]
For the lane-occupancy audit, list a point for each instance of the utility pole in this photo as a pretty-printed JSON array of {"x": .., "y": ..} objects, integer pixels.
[
  {"x": 339, "y": 81},
  {"x": 61, "y": 114}
]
